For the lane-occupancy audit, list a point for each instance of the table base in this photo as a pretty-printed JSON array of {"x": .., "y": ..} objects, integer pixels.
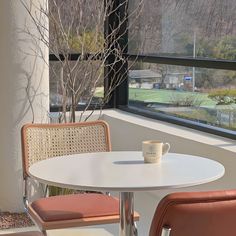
[{"x": 127, "y": 226}]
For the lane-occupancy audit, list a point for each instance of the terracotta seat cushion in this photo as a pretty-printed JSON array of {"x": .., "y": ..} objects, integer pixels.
[{"x": 75, "y": 206}]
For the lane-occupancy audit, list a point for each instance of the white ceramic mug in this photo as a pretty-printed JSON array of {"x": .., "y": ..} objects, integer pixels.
[{"x": 153, "y": 150}]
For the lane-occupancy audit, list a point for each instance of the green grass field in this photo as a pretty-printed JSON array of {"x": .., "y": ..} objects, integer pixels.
[
  {"x": 99, "y": 92},
  {"x": 170, "y": 97},
  {"x": 166, "y": 96}
]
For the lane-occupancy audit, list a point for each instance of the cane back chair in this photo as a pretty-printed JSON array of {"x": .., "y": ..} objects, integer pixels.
[
  {"x": 196, "y": 214},
  {"x": 42, "y": 141}
]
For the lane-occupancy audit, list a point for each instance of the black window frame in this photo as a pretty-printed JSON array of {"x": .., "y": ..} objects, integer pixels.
[
  {"x": 120, "y": 98},
  {"x": 183, "y": 61}
]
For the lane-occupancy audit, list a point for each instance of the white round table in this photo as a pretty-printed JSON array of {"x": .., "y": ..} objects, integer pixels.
[{"x": 125, "y": 172}]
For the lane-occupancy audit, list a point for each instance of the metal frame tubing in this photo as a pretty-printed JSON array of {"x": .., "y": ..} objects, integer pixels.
[{"x": 127, "y": 227}]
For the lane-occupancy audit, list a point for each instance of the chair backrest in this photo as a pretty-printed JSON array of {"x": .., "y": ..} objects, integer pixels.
[
  {"x": 42, "y": 141},
  {"x": 196, "y": 214}
]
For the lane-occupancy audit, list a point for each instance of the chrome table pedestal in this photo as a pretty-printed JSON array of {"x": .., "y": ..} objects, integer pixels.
[{"x": 127, "y": 225}]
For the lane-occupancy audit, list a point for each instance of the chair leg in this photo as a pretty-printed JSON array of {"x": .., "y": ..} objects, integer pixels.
[
  {"x": 135, "y": 229},
  {"x": 44, "y": 232},
  {"x": 44, "y": 189},
  {"x": 165, "y": 231}
]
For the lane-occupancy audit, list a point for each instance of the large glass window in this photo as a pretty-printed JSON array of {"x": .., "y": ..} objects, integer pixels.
[
  {"x": 164, "y": 39},
  {"x": 196, "y": 28},
  {"x": 189, "y": 30},
  {"x": 208, "y": 96}
]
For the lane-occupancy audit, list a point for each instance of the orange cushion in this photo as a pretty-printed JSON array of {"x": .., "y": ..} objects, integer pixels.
[{"x": 75, "y": 206}]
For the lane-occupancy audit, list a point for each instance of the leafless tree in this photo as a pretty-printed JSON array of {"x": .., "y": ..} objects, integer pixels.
[{"x": 77, "y": 27}]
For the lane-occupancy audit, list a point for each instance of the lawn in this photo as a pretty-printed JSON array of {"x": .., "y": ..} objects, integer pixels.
[
  {"x": 99, "y": 92},
  {"x": 166, "y": 96},
  {"x": 163, "y": 96}
]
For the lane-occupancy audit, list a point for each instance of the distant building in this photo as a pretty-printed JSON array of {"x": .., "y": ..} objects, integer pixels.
[
  {"x": 144, "y": 75},
  {"x": 149, "y": 79},
  {"x": 143, "y": 78}
]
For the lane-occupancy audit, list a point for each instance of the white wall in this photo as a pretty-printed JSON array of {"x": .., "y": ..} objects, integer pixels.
[{"x": 24, "y": 77}]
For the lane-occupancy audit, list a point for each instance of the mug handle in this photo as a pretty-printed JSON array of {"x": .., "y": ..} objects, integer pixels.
[{"x": 165, "y": 148}]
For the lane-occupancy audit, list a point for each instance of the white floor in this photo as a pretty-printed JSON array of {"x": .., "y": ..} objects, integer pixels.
[
  {"x": 145, "y": 204},
  {"x": 65, "y": 232}
]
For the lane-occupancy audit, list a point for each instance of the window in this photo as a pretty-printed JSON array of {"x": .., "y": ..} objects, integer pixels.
[
  {"x": 183, "y": 28},
  {"x": 204, "y": 96},
  {"x": 175, "y": 60},
  {"x": 184, "y": 62}
]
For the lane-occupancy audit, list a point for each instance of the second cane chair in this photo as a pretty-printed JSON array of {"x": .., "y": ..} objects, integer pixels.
[{"x": 42, "y": 141}]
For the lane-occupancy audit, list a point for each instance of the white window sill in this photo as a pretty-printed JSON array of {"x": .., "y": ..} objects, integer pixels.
[{"x": 179, "y": 131}]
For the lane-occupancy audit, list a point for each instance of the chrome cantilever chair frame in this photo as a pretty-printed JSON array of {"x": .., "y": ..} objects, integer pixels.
[{"x": 165, "y": 231}]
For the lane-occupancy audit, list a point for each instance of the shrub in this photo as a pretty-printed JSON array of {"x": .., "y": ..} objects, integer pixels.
[
  {"x": 223, "y": 96},
  {"x": 185, "y": 100}
]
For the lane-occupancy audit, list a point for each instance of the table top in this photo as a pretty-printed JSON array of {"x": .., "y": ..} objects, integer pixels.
[{"x": 125, "y": 171}]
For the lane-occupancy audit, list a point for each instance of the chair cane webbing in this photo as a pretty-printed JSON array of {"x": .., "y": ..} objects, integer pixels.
[{"x": 46, "y": 141}]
